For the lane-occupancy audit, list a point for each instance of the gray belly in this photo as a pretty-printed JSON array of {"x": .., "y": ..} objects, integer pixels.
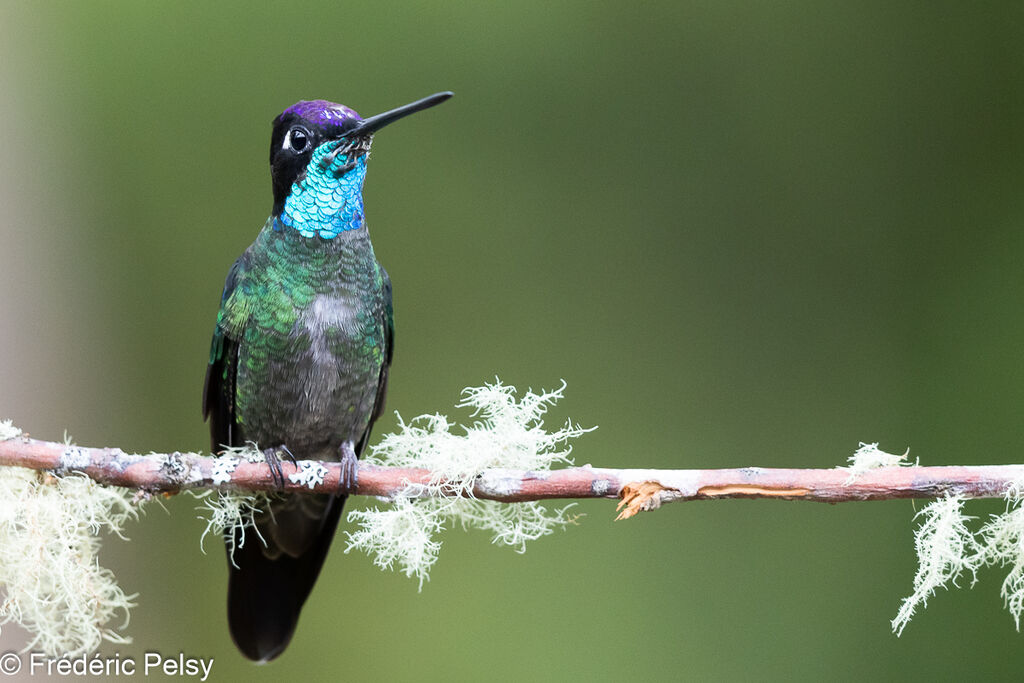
[{"x": 321, "y": 386}]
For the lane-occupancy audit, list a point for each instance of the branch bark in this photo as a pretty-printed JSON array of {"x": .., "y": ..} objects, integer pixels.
[{"x": 637, "y": 489}]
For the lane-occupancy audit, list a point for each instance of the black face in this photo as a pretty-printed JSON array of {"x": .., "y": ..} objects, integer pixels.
[
  {"x": 305, "y": 125},
  {"x": 291, "y": 145}
]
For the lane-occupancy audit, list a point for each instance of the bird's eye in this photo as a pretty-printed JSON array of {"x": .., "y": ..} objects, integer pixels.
[{"x": 298, "y": 140}]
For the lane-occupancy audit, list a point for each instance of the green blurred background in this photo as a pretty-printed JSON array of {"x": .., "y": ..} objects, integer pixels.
[{"x": 744, "y": 234}]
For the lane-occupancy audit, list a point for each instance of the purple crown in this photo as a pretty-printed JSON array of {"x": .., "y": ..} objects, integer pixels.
[{"x": 323, "y": 113}]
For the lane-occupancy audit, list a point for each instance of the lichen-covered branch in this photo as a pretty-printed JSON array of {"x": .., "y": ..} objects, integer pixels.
[
  {"x": 638, "y": 489},
  {"x": 435, "y": 475}
]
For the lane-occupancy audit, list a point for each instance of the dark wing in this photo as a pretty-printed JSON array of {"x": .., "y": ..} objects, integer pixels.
[
  {"x": 388, "y": 321},
  {"x": 219, "y": 388},
  {"x": 265, "y": 595}
]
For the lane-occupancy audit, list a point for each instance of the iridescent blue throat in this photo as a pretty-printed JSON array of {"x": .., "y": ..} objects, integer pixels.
[{"x": 326, "y": 203}]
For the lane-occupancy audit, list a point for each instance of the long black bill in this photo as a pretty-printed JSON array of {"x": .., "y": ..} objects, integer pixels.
[{"x": 374, "y": 123}]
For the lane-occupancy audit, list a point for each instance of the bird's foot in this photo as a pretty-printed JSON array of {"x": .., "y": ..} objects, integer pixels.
[
  {"x": 272, "y": 456},
  {"x": 348, "y": 481}
]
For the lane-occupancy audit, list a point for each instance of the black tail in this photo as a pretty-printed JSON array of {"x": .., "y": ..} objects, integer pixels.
[{"x": 266, "y": 595}]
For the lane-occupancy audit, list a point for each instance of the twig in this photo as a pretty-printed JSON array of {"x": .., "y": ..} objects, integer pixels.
[{"x": 638, "y": 489}]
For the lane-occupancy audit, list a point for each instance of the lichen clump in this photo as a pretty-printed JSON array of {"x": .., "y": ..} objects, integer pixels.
[
  {"x": 869, "y": 456},
  {"x": 508, "y": 433},
  {"x": 945, "y": 547},
  {"x": 948, "y": 549},
  {"x": 50, "y": 534}
]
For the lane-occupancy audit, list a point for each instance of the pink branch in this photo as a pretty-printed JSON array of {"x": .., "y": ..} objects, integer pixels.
[{"x": 639, "y": 489}]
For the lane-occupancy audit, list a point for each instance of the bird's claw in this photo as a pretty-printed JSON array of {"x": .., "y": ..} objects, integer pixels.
[
  {"x": 348, "y": 480},
  {"x": 273, "y": 460},
  {"x": 291, "y": 456}
]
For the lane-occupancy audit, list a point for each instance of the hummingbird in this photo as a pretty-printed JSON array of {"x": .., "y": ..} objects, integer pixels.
[{"x": 300, "y": 356}]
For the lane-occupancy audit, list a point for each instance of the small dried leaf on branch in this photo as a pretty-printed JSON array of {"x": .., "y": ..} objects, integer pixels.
[{"x": 641, "y": 497}]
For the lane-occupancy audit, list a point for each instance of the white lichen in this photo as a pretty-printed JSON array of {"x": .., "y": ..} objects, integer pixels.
[
  {"x": 311, "y": 474},
  {"x": 508, "y": 433},
  {"x": 8, "y": 430},
  {"x": 945, "y": 547},
  {"x": 250, "y": 452},
  {"x": 50, "y": 532},
  {"x": 231, "y": 515},
  {"x": 222, "y": 468},
  {"x": 1002, "y": 540},
  {"x": 512, "y": 524},
  {"x": 401, "y": 534},
  {"x": 869, "y": 456}
]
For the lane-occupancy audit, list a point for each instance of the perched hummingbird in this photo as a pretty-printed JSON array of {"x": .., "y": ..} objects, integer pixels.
[{"x": 300, "y": 355}]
